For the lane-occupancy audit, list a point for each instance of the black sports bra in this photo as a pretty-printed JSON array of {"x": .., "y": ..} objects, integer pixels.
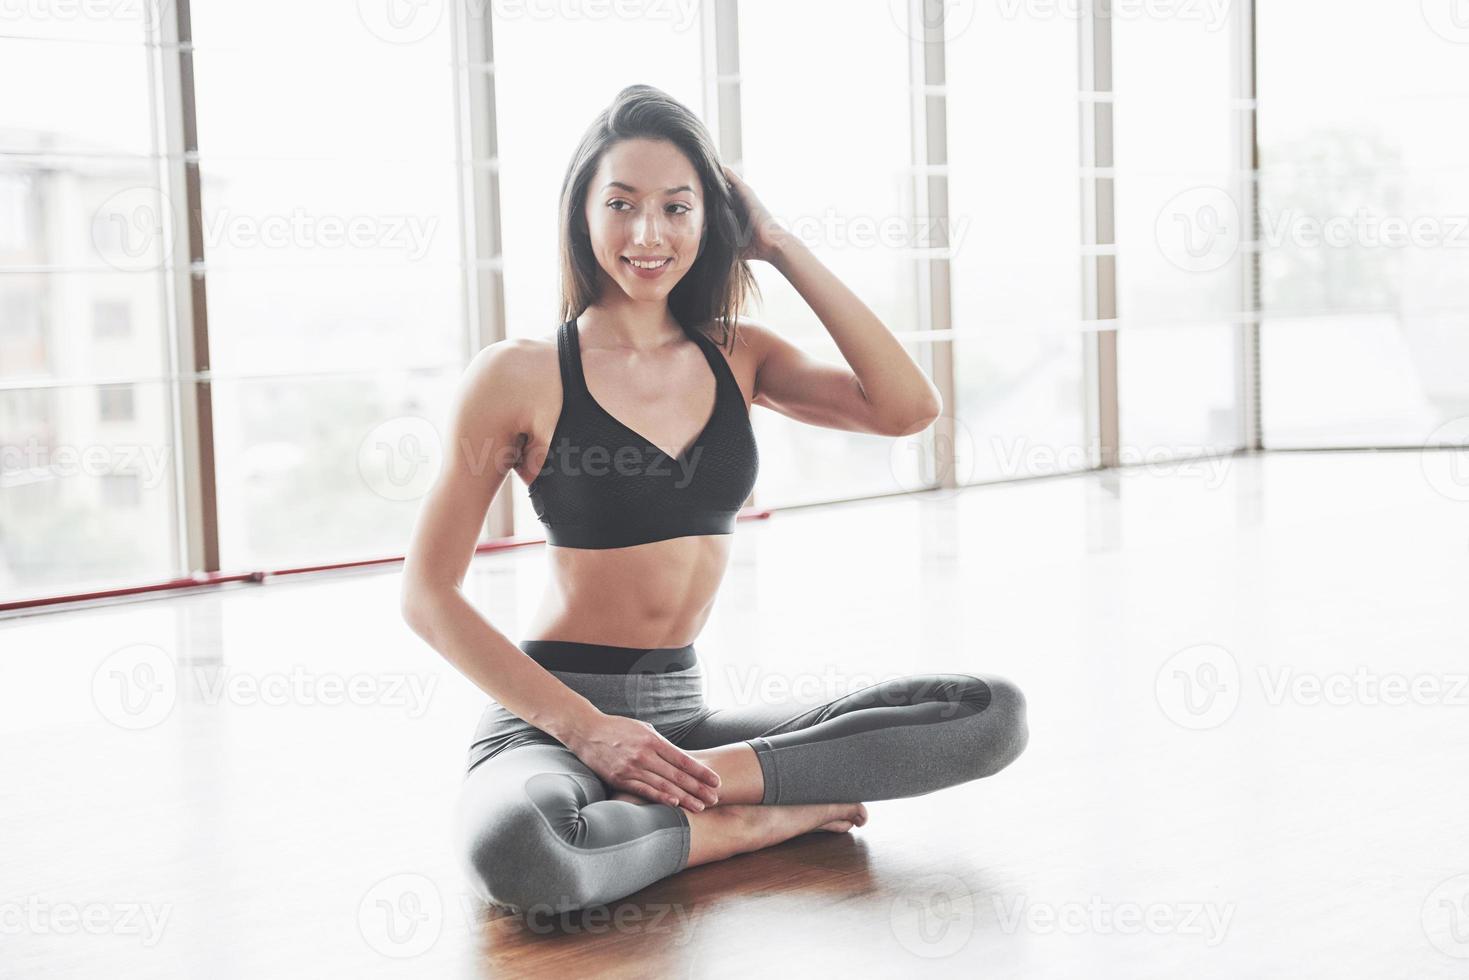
[{"x": 602, "y": 485}]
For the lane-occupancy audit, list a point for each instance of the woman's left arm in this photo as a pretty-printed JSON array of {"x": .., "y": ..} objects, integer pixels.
[{"x": 885, "y": 391}]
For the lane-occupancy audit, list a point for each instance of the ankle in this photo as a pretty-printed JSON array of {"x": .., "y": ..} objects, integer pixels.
[{"x": 741, "y": 779}]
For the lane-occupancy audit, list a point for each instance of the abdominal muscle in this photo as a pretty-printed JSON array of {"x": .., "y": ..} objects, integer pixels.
[{"x": 650, "y": 595}]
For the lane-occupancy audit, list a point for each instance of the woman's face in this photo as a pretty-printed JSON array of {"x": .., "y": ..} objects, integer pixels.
[{"x": 645, "y": 202}]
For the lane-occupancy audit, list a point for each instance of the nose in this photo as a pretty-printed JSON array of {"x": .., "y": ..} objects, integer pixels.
[{"x": 648, "y": 228}]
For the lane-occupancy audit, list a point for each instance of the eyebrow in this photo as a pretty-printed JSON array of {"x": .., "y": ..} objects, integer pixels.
[{"x": 633, "y": 190}]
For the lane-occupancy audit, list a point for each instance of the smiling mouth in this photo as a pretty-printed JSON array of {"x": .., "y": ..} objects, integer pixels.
[{"x": 645, "y": 266}]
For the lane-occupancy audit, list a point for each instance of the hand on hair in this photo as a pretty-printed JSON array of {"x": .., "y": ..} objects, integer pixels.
[{"x": 762, "y": 234}]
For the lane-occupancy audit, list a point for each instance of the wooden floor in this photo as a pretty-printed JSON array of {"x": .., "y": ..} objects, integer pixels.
[{"x": 1248, "y": 715}]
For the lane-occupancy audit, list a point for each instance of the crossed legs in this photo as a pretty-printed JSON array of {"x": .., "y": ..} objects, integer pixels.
[
  {"x": 542, "y": 829},
  {"x": 935, "y": 730}
]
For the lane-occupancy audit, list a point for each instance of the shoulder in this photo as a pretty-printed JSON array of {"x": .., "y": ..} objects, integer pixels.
[
  {"x": 517, "y": 373},
  {"x": 512, "y": 362},
  {"x": 750, "y": 339}
]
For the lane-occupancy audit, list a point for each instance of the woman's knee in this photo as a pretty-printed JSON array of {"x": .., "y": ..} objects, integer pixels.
[
  {"x": 513, "y": 855},
  {"x": 1006, "y": 730},
  {"x": 515, "y": 861}
]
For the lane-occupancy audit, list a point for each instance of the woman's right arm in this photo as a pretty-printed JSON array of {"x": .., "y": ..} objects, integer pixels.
[
  {"x": 489, "y": 413},
  {"x": 484, "y": 444}
]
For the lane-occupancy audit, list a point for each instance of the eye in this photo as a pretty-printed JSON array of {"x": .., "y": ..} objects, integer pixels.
[
  {"x": 686, "y": 208},
  {"x": 619, "y": 201}
]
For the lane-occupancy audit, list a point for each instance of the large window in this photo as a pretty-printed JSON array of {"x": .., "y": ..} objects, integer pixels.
[
  {"x": 827, "y": 147},
  {"x": 337, "y": 212},
  {"x": 86, "y": 468},
  {"x": 1365, "y": 212},
  {"x": 1014, "y": 228},
  {"x": 1180, "y": 246},
  {"x": 331, "y": 224}
]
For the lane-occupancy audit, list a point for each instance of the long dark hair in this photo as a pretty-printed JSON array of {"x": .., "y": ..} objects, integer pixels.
[{"x": 719, "y": 283}]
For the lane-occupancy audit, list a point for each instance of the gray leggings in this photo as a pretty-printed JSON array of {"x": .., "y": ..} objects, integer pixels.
[{"x": 538, "y": 832}]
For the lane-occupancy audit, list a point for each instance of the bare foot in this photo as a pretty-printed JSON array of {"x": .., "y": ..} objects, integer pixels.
[
  {"x": 850, "y": 814},
  {"x": 723, "y": 831},
  {"x": 856, "y": 817}
]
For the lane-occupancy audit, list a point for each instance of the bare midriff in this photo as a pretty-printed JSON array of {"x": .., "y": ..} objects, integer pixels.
[{"x": 657, "y": 594}]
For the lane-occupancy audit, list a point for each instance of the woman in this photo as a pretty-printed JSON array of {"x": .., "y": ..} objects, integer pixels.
[{"x": 597, "y": 768}]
